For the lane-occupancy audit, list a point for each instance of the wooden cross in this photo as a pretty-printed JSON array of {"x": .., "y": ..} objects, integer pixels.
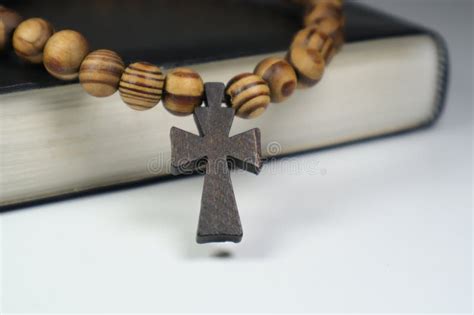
[{"x": 213, "y": 149}]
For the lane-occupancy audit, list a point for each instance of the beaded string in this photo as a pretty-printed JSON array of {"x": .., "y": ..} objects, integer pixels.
[{"x": 65, "y": 55}]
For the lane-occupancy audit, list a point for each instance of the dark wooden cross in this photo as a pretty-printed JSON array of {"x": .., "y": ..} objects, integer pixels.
[{"x": 216, "y": 153}]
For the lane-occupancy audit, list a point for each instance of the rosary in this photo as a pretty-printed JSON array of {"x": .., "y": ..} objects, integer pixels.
[{"x": 65, "y": 55}]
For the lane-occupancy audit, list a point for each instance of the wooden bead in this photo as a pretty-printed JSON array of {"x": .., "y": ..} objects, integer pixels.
[
  {"x": 311, "y": 3},
  {"x": 100, "y": 72},
  {"x": 280, "y": 77},
  {"x": 141, "y": 85},
  {"x": 248, "y": 94},
  {"x": 64, "y": 53},
  {"x": 328, "y": 16},
  {"x": 330, "y": 26},
  {"x": 184, "y": 90},
  {"x": 323, "y": 9},
  {"x": 9, "y": 20},
  {"x": 339, "y": 38},
  {"x": 30, "y": 37},
  {"x": 308, "y": 63},
  {"x": 336, "y": 3},
  {"x": 312, "y": 38}
]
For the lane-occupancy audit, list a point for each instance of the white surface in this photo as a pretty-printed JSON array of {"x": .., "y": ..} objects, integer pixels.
[{"x": 384, "y": 226}]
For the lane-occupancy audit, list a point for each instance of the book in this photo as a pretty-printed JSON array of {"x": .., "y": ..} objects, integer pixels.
[{"x": 56, "y": 141}]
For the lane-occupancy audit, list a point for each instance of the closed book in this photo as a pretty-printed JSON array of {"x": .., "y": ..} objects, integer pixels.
[{"x": 57, "y": 141}]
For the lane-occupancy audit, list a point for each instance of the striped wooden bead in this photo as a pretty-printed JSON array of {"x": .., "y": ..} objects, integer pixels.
[
  {"x": 336, "y": 3},
  {"x": 141, "y": 85},
  {"x": 323, "y": 9},
  {"x": 308, "y": 63},
  {"x": 339, "y": 38},
  {"x": 9, "y": 20},
  {"x": 311, "y": 37},
  {"x": 331, "y": 27},
  {"x": 184, "y": 90},
  {"x": 100, "y": 72},
  {"x": 64, "y": 53},
  {"x": 311, "y": 3},
  {"x": 330, "y": 22},
  {"x": 280, "y": 77},
  {"x": 30, "y": 37},
  {"x": 248, "y": 94}
]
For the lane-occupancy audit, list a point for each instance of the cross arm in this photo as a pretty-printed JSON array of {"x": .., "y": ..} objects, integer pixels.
[
  {"x": 245, "y": 151},
  {"x": 186, "y": 151}
]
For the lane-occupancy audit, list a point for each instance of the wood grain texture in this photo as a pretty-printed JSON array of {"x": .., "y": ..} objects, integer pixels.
[
  {"x": 219, "y": 218},
  {"x": 308, "y": 63},
  {"x": 64, "y": 53},
  {"x": 339, "y": 36},
  {"x": 9, "y": 20},
  {"x": 248, "y": 94},
  {"x": 100, "y": 72},
  {"x": 30, "y": 37},
  {"x": 184, "y": 91},
  {"x": 311, "y": 3},
  {"x": 323, "y": 9},
  {"x": 141, "y": 85},
  {"x": 280, "y": 77},
  {"x": 311, "y": 37},
  {"x": 328, "y": 16},
  {"x": 334, "y": 28}
]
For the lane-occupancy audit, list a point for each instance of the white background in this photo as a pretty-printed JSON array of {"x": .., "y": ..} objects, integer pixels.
[{"x": 384, "y": 226}]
